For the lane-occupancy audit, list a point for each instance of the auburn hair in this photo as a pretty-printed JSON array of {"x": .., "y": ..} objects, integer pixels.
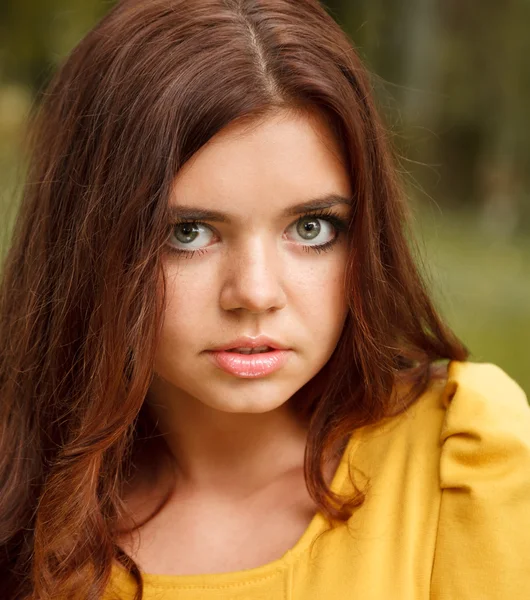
[{"x": 82, "y": 295}]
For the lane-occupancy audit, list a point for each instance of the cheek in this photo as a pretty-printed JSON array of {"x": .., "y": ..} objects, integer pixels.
[
  {"x": 318, "y": 295},
  {"x": 190, "y": 287},
  {"x": 321, "y": 280},
  {"x": 187, "y": 299}
]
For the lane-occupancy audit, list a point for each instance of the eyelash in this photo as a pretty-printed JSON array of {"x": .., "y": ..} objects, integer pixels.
[{"x": 339, "y": 224}]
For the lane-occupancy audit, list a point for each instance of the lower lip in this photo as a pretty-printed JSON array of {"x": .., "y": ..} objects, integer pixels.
[{"x": 250, "y": 365}]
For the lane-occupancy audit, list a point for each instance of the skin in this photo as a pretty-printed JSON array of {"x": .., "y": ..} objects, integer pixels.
[{"x": 238, "y": 448}]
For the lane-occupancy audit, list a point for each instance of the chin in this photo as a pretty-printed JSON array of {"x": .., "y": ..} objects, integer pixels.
[{"x": 254, "y": 403}]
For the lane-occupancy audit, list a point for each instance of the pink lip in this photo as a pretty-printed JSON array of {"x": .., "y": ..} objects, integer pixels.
[{"x": 249, "y": 365}]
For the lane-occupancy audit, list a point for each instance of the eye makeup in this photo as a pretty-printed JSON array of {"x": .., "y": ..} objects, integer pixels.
[{"x": 338, "y": 223}]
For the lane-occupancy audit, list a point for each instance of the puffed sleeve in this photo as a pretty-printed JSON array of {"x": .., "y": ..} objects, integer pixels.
[{"x": 482, "y": 547}]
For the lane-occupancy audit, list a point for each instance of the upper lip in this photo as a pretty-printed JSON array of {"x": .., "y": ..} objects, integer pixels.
[{"x": 251, "y": 342}]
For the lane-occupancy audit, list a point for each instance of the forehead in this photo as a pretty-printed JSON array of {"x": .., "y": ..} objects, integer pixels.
[{"x": 283, "y": 159}]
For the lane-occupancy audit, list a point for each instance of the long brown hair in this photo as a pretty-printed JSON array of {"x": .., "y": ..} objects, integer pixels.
[{"x": 82, "y": 297}]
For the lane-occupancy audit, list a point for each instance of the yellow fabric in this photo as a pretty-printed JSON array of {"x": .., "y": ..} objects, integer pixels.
[{"x": 446, "y": 516}]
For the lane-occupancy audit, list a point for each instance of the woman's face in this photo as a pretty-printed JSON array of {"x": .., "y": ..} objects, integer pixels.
[{"x": 259, "y": 271}]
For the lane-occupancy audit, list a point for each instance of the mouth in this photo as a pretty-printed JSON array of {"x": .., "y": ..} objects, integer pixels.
[
  {"x": 246, "y": 344},
  {"x": 246, "y": 350}
]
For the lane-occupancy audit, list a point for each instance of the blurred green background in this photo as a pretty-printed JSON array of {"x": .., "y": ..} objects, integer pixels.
[{"x": 453, "y": 80}]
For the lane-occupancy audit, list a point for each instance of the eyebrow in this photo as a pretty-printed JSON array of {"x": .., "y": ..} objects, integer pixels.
[{"x": 192, "y": 213}]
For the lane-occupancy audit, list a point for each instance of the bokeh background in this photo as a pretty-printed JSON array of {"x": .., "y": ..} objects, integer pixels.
[{"x": 452, "y": 78}]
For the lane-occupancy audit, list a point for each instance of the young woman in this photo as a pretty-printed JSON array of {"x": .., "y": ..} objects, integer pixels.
[{"x": 221, "y": 374}]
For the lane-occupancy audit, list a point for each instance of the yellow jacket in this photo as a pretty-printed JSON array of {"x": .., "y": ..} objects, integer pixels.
[{"x": 446, "y": 517}]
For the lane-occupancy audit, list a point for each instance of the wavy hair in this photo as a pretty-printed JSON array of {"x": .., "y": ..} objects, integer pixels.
[{"x": 82, "y": 295}]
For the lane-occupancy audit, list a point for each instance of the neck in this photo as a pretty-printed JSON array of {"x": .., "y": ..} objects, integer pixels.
[{"x": 235, "y": 453}]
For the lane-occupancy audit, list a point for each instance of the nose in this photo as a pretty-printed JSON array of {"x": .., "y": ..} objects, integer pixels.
[{"x": 253, "y": 278}]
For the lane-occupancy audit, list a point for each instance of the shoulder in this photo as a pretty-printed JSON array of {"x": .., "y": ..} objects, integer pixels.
[
  {"x": 486, "y": 426},
  {"x": 473, "y": 408},
  {"x": 464, "y": 459},
  {"x": 482, "y": 421},
  {"x": 483, "y": 533},
  {"x": 449, "y": 478},
  {"x": 468, "y": 432}
]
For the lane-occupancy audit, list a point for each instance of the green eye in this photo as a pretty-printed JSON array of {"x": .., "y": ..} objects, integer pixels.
[
  {"x": 308, "y": 228},
  {"x": 186, "y": 232},
  {"x": 183, "y": 235},
  {"x": 319, "y": 229}
]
